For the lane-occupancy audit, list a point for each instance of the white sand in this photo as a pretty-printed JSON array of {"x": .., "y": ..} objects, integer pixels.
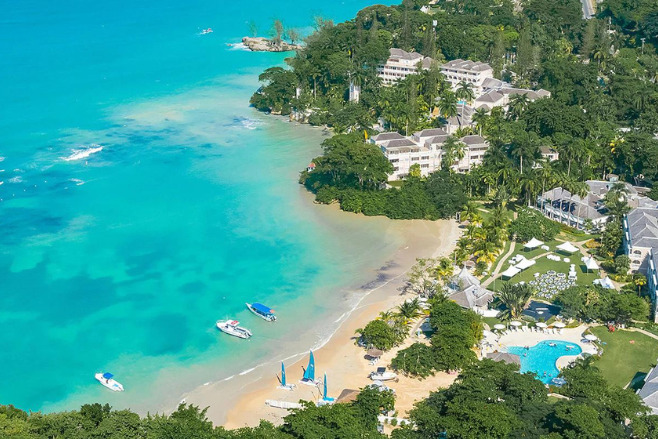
[{"x": 241, "y": 401}]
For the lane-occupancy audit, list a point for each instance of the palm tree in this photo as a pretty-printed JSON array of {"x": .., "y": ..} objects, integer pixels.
[
  {"x": 479, "y": 118},
  {"x": 448, "y": 104},
  {"x": 454, "y": 151},
  {"x": 466, "y": 94},
  {"x": 470, "y": 211},
  {"x": 529, "y": 184},
  {"x": 517, "y": 105},
  {"x": 409, "y": 310},
  {"x": 486, "y": 252},
  {"x": 444, "y": 269},
  {"x": 525, "y": 145},
  {"x": 515, "y": 298},
  {"x": 616, "y": 200}
]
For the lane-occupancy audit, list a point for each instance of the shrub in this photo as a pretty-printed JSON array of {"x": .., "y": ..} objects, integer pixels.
[{"x": 378, "y": 334}]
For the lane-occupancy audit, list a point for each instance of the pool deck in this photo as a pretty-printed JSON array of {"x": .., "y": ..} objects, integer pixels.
[{"x": 520, "y": 338}]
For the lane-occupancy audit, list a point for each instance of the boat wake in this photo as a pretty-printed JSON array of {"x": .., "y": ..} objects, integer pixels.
[
  {"x": 79, "y": 154},
  {"x": 237, "y": 46},
  {"x": 77, "y": 181}
]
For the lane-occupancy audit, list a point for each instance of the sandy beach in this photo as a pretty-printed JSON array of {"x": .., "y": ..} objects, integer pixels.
[{"x": 240, "y": 401}]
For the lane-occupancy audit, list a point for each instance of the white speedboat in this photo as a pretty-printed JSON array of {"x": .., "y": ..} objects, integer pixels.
[
  {"x": 262, "y": 311},
  {"x": 231, "y": 327},
  {"x": 382, "y": 375},
  {"x": 108, "y": 381}
]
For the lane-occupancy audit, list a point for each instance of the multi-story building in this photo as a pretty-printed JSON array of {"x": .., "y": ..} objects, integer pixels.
[
  {"x": 474, "y": 152},
  {"x": 561, "y": 205},
  {"x": 652, "y": 279},
  {"x": 425, "y": 148},
  {"x": 641, "y": 236},
  {"x": 474, "y": 73},
  {"x": 401, "y": 64}
]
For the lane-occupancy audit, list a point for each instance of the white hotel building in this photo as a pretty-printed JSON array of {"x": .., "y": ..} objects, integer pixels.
[
  {"x": 425, "y": 148},
  {"x": 474, "y": 73},
  {"x": 401, "y": 64}
]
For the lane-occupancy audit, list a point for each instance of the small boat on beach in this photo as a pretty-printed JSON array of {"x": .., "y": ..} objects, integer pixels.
[
  {"x": 309, "y": 372},
  {"x": 107, "y": 380},
  {"x": 262, "y": 311},
  {"x": 231, "y": 327},
  {"x": 382, "y": 375}
]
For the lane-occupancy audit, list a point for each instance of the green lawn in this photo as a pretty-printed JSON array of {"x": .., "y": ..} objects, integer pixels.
[
  {"x": 542, "y": 266},
  {"x": 529, "y": 254},
  {"x": 621, "y": 359}
]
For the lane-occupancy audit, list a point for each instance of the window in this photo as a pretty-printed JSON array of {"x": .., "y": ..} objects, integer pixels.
[
  {"x": 395, "y": 160},
  {"x": 415, "y": 159},
  {"x": 425, "y": 157},
  {"x": 425, "y": 166}
]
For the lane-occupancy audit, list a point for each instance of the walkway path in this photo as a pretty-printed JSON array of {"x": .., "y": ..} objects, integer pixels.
[
  {"x": 642, "y": 331},
  {"x": 494, "y": 273}
]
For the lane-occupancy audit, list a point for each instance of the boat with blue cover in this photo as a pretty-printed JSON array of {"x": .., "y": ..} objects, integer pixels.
[
  {"x": 107, "y": 380},
  {"x": 262, "y": 311}
]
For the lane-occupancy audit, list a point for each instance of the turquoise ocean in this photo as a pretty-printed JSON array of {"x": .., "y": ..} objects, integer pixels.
[{"x": 142, "y": 199}]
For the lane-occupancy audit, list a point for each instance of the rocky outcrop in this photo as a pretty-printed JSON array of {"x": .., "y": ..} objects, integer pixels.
[{"x": 260, "y": 44}]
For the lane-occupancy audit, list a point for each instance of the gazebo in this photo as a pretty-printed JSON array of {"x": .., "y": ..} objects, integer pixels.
[
  {"x": 590, "y": 263},
  {"x": 567, "y": 247},
  {"x": 533, "y": 243}
]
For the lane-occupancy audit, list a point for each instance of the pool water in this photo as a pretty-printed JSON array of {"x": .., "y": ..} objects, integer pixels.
[{"x": 541, "y": 358}]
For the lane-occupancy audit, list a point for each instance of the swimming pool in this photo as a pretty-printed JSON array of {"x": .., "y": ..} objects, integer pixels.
[{"x": 541, "y": 358}]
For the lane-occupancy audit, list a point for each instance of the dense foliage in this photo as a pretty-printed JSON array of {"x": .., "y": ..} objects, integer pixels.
[
  {"x": 493, "y": 400},
  {"x": 594, "y": 303},
  {"x": 353, "y": 172},
  {"x": 601, "y": 73},
  {"x": 532, "y": 224},
  {"x": 456, "y": 331},
  {"x": 488, "y": 399}
]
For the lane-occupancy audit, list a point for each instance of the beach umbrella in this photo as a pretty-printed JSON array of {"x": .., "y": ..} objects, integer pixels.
[
  {"x": 374, "y": 353},
  {"x": 541, "y": 325},
  {"x": 487, "y": 333},
  {"x": 591, "y": 337},
  {"x": 559, "y": 325},
  {"x": 515, "y": 323},
  {"x": 499, "y": 326}
]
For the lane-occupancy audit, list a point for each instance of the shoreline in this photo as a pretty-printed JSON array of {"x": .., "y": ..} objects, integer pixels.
[{"x": 239, "y": 401}]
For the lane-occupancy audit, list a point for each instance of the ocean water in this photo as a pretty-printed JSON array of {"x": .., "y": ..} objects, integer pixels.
[{"x": 142, "y": 199}]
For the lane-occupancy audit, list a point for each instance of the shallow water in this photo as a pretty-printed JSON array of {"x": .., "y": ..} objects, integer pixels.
[{"x": 143, "y": 200}]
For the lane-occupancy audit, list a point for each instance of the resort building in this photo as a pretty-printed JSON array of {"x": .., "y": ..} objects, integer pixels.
[
  {"x": 549, "y": 154},
  {"x": 640, "y": 237},
  {"x": 497, "y": 93},
  {"x": 465, "y": 290},
  {"x": 652, "y": 279},
  {"x": 401, "y": 64},
  {"x": 426, "y": 149},
  {"x": 474, "y": 73},
  {"x": 649, "y": 392},
  {"x": 561, "y": 205}
]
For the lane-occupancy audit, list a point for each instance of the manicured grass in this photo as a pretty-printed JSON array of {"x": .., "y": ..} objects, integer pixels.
[
  {"x": 529, "y": 254},
  {"x": 491, "y": 321},
  {"x": 621, "y": 359},
  {"x": 543, "y": 265}
]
